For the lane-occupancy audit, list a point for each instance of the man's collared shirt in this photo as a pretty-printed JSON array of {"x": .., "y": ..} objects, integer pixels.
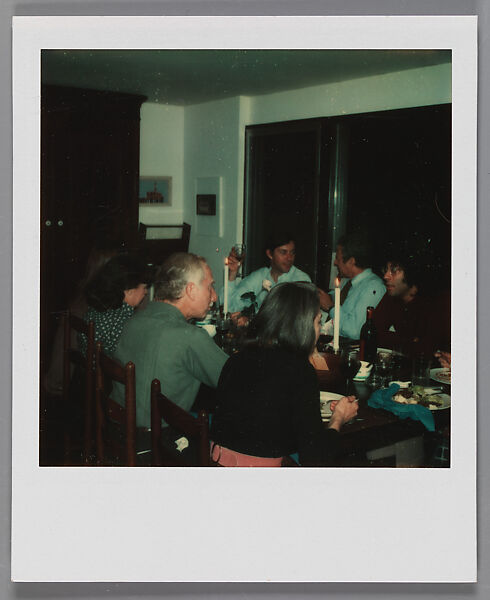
[
  {"x": 254, "y": 283},
  {"x": 163, "y": 345},
  {"x": 367, "y": 290}
]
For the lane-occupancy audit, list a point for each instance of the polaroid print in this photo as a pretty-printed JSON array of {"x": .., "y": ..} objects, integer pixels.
[{"x": 318, "y": 126}]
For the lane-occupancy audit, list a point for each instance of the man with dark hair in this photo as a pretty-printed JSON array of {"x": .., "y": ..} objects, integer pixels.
[
  {"x": 362, "y": 287},
  {"x": 406, "y": 319},
  {"x": 163, "y": 345},
  {"x": 281, "y": 252}
]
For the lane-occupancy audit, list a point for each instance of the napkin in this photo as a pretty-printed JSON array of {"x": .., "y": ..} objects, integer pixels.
[
  {"x": 383, "y": 399},
  {"x": 210, "y": 328},
  {"x": 363, "y": 372},
  {"x": 182, "y": 443}
]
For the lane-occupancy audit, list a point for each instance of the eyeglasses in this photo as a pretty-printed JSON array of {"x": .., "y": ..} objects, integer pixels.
[{"x": 392, "y": 270}]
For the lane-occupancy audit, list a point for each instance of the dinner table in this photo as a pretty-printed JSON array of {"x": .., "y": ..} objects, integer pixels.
[{"x": 377, "y": 437}]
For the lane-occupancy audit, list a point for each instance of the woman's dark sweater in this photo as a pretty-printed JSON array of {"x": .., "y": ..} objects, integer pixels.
[{"x": 268, "y": 405}]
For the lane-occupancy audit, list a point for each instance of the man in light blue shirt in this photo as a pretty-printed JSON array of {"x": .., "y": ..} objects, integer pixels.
[
  {"x": 364, "y": 288},
  {"x": 281, "y": 251}
]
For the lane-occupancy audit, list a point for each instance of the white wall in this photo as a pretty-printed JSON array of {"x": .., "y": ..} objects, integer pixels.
[
  {"x": 214, "y": 147},
  {"x": 208, "y": 139},
  {"x": 402, "y": 89},
  {"x": 162, "y": 153}
]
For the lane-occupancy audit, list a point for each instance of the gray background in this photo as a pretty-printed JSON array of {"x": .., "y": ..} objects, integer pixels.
[{"x": 130, "y": 591}]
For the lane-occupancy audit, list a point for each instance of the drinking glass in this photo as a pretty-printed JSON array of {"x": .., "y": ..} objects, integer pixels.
[
  {"x": 381, "y": 370},
  {"x": 397, "y": 364},
  {"x": 222, "y": 327},
  {"x": 421, "y": 370},
  {"x": 239, "y": 251},
  {"x": 352, "y": 364}
]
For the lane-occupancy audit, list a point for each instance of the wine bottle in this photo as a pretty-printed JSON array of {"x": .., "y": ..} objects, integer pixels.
[{"x": 369, "y": 338}]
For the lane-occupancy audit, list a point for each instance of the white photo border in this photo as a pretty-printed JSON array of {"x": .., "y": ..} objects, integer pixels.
[{"x": 257, "y": 525}]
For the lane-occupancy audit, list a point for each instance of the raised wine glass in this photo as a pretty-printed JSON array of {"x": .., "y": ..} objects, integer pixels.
[{"x": 239, "y": 251}]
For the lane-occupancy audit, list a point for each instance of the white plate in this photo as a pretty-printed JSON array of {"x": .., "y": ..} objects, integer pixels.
[
  {"x": 325, "y": 399},
  {"x": 435, "y": 374},
  {"x": 444, "y": 399}
]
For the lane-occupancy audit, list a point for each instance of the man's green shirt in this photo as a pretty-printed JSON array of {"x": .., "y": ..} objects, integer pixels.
[{"x": 163, "y": 345}]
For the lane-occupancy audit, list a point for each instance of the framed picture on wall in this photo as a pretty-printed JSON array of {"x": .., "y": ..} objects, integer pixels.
[
  {"x": 206, "y": 204},
  {"x": 155, "y": 190}
]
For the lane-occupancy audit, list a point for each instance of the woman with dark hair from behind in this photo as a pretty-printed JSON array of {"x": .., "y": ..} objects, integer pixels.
[
  {"x": 112, "y": 296},
  {"x": 268, "y": 399}
]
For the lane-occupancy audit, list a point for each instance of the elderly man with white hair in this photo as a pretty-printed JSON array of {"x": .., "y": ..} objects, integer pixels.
[{"x": 164, "y": 345}]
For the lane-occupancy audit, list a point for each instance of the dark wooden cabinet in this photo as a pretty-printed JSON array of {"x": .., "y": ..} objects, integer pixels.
[{"x": 89, "y": 187}]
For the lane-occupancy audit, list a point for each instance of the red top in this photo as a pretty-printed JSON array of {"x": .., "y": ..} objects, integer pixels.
[{"x": 422, "y": 325}]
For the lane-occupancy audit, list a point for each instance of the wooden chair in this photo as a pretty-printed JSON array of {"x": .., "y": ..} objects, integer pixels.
[
  {"x": 195, "y": 429},
  {"x": 155, "y": 251},
  {"x": 115, "y": 424},
  {"x": 72, "y": 356}
]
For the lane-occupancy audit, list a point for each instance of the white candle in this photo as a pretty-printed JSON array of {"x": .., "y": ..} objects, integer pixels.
[
  {"x": 336, "y": 321},
  {"x": 225, "y": 303}
]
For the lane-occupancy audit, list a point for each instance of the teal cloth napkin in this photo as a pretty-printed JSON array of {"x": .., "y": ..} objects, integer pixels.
[{"x": 383, "y": 399}]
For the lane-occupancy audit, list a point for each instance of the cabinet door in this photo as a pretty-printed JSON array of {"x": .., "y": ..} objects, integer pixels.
[{"x": 89, "y": 188}]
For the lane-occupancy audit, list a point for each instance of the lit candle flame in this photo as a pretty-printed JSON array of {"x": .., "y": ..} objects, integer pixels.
[
  {"x": 337, "y": 282},
  {"x": 226, "y": 260}
]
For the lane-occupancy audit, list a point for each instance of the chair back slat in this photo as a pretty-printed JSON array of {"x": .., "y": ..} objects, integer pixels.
[
  {"x": 111, "y": 448},
  {"x": 180, "y": 420},
  {"x": 73, "y": 356},
  {"x": 76, "y": 358},
  {"x": 112, "y": 369}
]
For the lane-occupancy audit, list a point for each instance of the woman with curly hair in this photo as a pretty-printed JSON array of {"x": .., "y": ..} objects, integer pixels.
[{"x": 112, "y": 295}]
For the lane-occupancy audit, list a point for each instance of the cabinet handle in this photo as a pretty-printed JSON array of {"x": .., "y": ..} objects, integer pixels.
[
  {"x": 48, "y": 223},
  {"x": 60, "y": 223}
]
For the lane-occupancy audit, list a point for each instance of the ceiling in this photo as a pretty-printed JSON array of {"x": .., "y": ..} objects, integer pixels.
[{"x": 183, "y": 77}]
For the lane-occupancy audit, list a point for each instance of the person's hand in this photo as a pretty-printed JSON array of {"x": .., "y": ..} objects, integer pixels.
[
  {"x": 239, "y": 319},
  {"x": 343, "y": 410},
  {"x": 233, "y": 265},
  {"x": 444, "y": 358},
  {"x": 326, "y": 301}
]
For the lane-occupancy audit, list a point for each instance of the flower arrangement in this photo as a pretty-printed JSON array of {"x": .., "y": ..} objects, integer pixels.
[{"x": 250, "y": 310}]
